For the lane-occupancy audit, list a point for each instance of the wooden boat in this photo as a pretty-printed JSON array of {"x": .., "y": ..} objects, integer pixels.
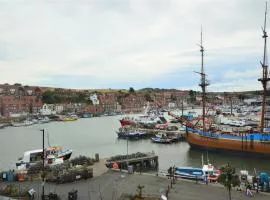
[{"x": 248, "y": 142}]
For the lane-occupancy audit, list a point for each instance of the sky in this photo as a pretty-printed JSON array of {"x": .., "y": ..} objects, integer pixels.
[{"x": 96, "y": 44}]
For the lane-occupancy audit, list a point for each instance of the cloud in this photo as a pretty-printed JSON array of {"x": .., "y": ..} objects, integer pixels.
[{"x": 122, "y": 42}]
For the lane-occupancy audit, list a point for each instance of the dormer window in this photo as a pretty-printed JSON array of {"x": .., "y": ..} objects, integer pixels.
[{"x": 12, "y": 90}]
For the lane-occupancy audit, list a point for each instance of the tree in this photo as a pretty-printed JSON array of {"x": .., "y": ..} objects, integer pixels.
[
  {"x": 148, "y": 97},
  {"x": 192, "y": 96},
  {"x": 229, "y": 178},
  {"x": 139, "y": 191},
  {"x": 131, "y": 90},
  {"x": 173, "y": 97}
]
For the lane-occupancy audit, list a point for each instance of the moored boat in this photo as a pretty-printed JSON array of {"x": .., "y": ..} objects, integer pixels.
[
  {"x": 24, "y": 123},
  {"x": 131, "y": 134},
  {"x": 87, "y": 115},
  {"x": 52, "y": 155},
  {"x": 44, "y": 120},
  {"x": 189, "y": 173},
  {"x": 248, "y": 142},
  {"x": 162, "y": 140},
  {"x": 126, "y": 121}
]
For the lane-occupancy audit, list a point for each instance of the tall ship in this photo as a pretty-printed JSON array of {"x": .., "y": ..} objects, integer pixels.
[{"x": 246, "y": 142}]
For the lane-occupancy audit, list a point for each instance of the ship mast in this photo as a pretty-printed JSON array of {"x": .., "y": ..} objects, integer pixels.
[
  {"x": 264, "y": 80},
  {"x": 203, "y": 82}
]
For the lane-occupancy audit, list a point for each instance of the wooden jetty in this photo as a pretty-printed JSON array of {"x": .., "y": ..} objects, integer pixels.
[{"x": 138, "y": 161}]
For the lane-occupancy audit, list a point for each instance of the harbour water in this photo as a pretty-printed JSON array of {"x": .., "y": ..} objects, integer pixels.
[{"x": 97, "y": 135}]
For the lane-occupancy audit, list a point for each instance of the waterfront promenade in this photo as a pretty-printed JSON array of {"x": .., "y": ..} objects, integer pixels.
[{"x": 111, "y": 185}]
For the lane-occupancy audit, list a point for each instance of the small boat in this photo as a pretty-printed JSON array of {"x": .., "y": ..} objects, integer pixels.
[
  {"x": 166, "y": 138},
  {"x": 44, "y": 120},
  {"x": 24, "y": 123},
  {"x": 162, "y": 139},
  {"x": 211, "y": 172},
  {"x": 87, "y": 115},
  {"x": 135, "y": 135},
  {"x": 68, "y": 118},
  {"x": 189, "y": 173},
  {"x": 2, "y": 126}
]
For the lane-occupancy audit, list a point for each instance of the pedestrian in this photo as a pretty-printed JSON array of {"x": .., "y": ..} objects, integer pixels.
[
  {"x": 170, "y": 172},
  {"x": 248, "y": 190},
  {"x": 167, "y": 193},
  {"x": 206, "y": 178}
]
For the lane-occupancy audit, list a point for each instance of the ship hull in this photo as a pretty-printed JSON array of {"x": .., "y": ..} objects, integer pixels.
[
  {"x": 236, "y": 145},
  {"x": 126, "y": 122}
]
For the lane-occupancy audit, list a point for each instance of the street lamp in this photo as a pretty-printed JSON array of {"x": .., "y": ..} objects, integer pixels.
[{"x": 43, "y": 164}]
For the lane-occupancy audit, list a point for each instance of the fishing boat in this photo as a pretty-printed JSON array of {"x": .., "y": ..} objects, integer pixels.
[
  {"x": 211, "y": 172},
  {"x": 131, "y": 134},
  {"x": 53, "y": 155},
  {"x": 127, "y": 121},
  {"x": 189, "y": 173},
  {"x": 248, "y": 142}
]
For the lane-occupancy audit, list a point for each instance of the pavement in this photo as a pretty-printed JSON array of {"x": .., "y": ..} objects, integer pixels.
[{"x": 111, "y": 184}]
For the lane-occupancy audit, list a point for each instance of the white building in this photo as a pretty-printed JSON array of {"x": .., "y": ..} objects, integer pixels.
[
  {"x": 47, "y": 110},
  {"x": 94, "y": 99}
]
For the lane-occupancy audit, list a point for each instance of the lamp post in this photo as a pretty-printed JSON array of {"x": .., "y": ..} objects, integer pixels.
[
  {"x": 127, "y": 146},
  {"x": 43, "y": 164}
]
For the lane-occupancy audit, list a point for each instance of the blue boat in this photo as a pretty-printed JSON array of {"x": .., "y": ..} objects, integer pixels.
[
  {"x": 162, "y": 140},
  {"x": 189, "y": 173}
]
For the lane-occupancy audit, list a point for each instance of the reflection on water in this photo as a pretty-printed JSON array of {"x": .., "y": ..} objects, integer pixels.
[{"x": 97, "y": 135}]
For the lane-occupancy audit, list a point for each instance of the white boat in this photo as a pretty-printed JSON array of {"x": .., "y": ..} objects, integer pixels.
[
  {"x": 189, "y": 173},
  {"x": 44, "y": 120},
  {"x": 24, "y": 123},
  {"x": 53, "y": 155}
]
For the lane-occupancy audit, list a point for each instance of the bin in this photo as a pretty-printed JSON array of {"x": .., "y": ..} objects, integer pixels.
[
  {"x": 73, "y": 195},
  {"x": 10, "y": 176},
  {"x": 130, "y": 169}
]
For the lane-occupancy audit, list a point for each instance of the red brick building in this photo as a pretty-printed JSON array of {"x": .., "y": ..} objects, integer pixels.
[{"x": 16, "y": 99}]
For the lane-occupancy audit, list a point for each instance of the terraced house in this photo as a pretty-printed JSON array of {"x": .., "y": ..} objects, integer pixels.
[{"x": 16, "y": 100}]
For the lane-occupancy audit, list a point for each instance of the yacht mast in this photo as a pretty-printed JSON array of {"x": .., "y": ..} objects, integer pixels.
[
  {"x": 264, "y": 80},
  {"x": 203, "y": 82}
]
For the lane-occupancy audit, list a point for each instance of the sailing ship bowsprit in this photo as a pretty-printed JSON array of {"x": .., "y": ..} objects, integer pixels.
[{"x": 249, "y": 142}]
